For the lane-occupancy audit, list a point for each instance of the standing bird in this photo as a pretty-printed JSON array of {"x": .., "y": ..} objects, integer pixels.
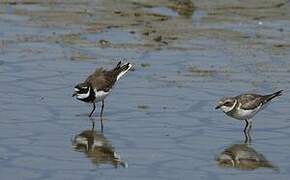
[
  {"x": 99, "y": 84},
  {"x": 245, "y": 106}
]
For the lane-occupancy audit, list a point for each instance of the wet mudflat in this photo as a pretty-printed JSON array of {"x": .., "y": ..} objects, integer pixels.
[{"x": 160, "y": 121}]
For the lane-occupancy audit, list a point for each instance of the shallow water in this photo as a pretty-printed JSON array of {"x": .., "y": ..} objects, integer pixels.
[{"x": 160, "y": 119}]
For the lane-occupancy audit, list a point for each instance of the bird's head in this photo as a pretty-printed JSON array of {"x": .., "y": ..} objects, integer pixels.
[
  {"x": 82, "y": 91},
  {"x": 226, "y": 104}
]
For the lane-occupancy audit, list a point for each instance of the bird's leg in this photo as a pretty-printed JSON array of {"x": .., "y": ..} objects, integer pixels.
[
  {"x": 101, "y": 115},
  {"x": 247, "y": 125},
  {"x": 94, "y": 104},
  {"x": 247, "y": 129},
  {"x": 102, "y": 109},
  {"x": 102, "y": 126},
  {"x": 93, "y": 124},
  {"x": 250, "y": 126},
  {"x": 248, "y": 138}
]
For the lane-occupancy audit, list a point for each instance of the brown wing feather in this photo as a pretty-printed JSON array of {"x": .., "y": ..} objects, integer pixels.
[
  {"x": 250, "y": 101},
  {"x": 269, "y": 97},
  {"x": 101, "y": 80},
  {"x": 105, "y": 79}
]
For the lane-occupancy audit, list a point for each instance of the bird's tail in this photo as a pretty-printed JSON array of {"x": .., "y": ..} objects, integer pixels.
[
  {"x": 271, "y": 96},
  {"x": 120, "y": 69}
]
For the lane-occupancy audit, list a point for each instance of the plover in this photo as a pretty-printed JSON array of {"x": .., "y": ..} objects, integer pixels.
[
  {"x": 99, "y": 84},
  {"x": 245, "y": 106},
  {"x": 97, "y": 148},
  {"x": 244, "y": 157}
]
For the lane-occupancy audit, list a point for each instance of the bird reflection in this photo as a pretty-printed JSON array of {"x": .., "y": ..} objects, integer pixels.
[
  {"x": 244, "y": 157},
  {"x": 184, "y": 8},
  {"x": 97, "y": 148}
]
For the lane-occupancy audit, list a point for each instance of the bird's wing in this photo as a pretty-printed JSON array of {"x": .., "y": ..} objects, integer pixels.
[
  {"x": 101, "y": 80},
  {"x": 269, "y": 97},
  {"x": 250, "y": 101}
]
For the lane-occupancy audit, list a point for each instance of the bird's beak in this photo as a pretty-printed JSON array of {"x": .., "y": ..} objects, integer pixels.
[
  {"x": 74, "y": 94},
  {"x": 218, "y": 106}
]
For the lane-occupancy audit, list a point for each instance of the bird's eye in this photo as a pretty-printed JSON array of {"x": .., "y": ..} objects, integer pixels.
[{"x": 227, "y": 103}]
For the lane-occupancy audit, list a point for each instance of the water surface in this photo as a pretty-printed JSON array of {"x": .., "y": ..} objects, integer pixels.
[{"x": 160, "y": 119}]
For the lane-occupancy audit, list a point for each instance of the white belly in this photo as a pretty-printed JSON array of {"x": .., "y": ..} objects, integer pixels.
[
  {"x": 100, "y": 95},
  {"x": 246, "y": 114}
]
